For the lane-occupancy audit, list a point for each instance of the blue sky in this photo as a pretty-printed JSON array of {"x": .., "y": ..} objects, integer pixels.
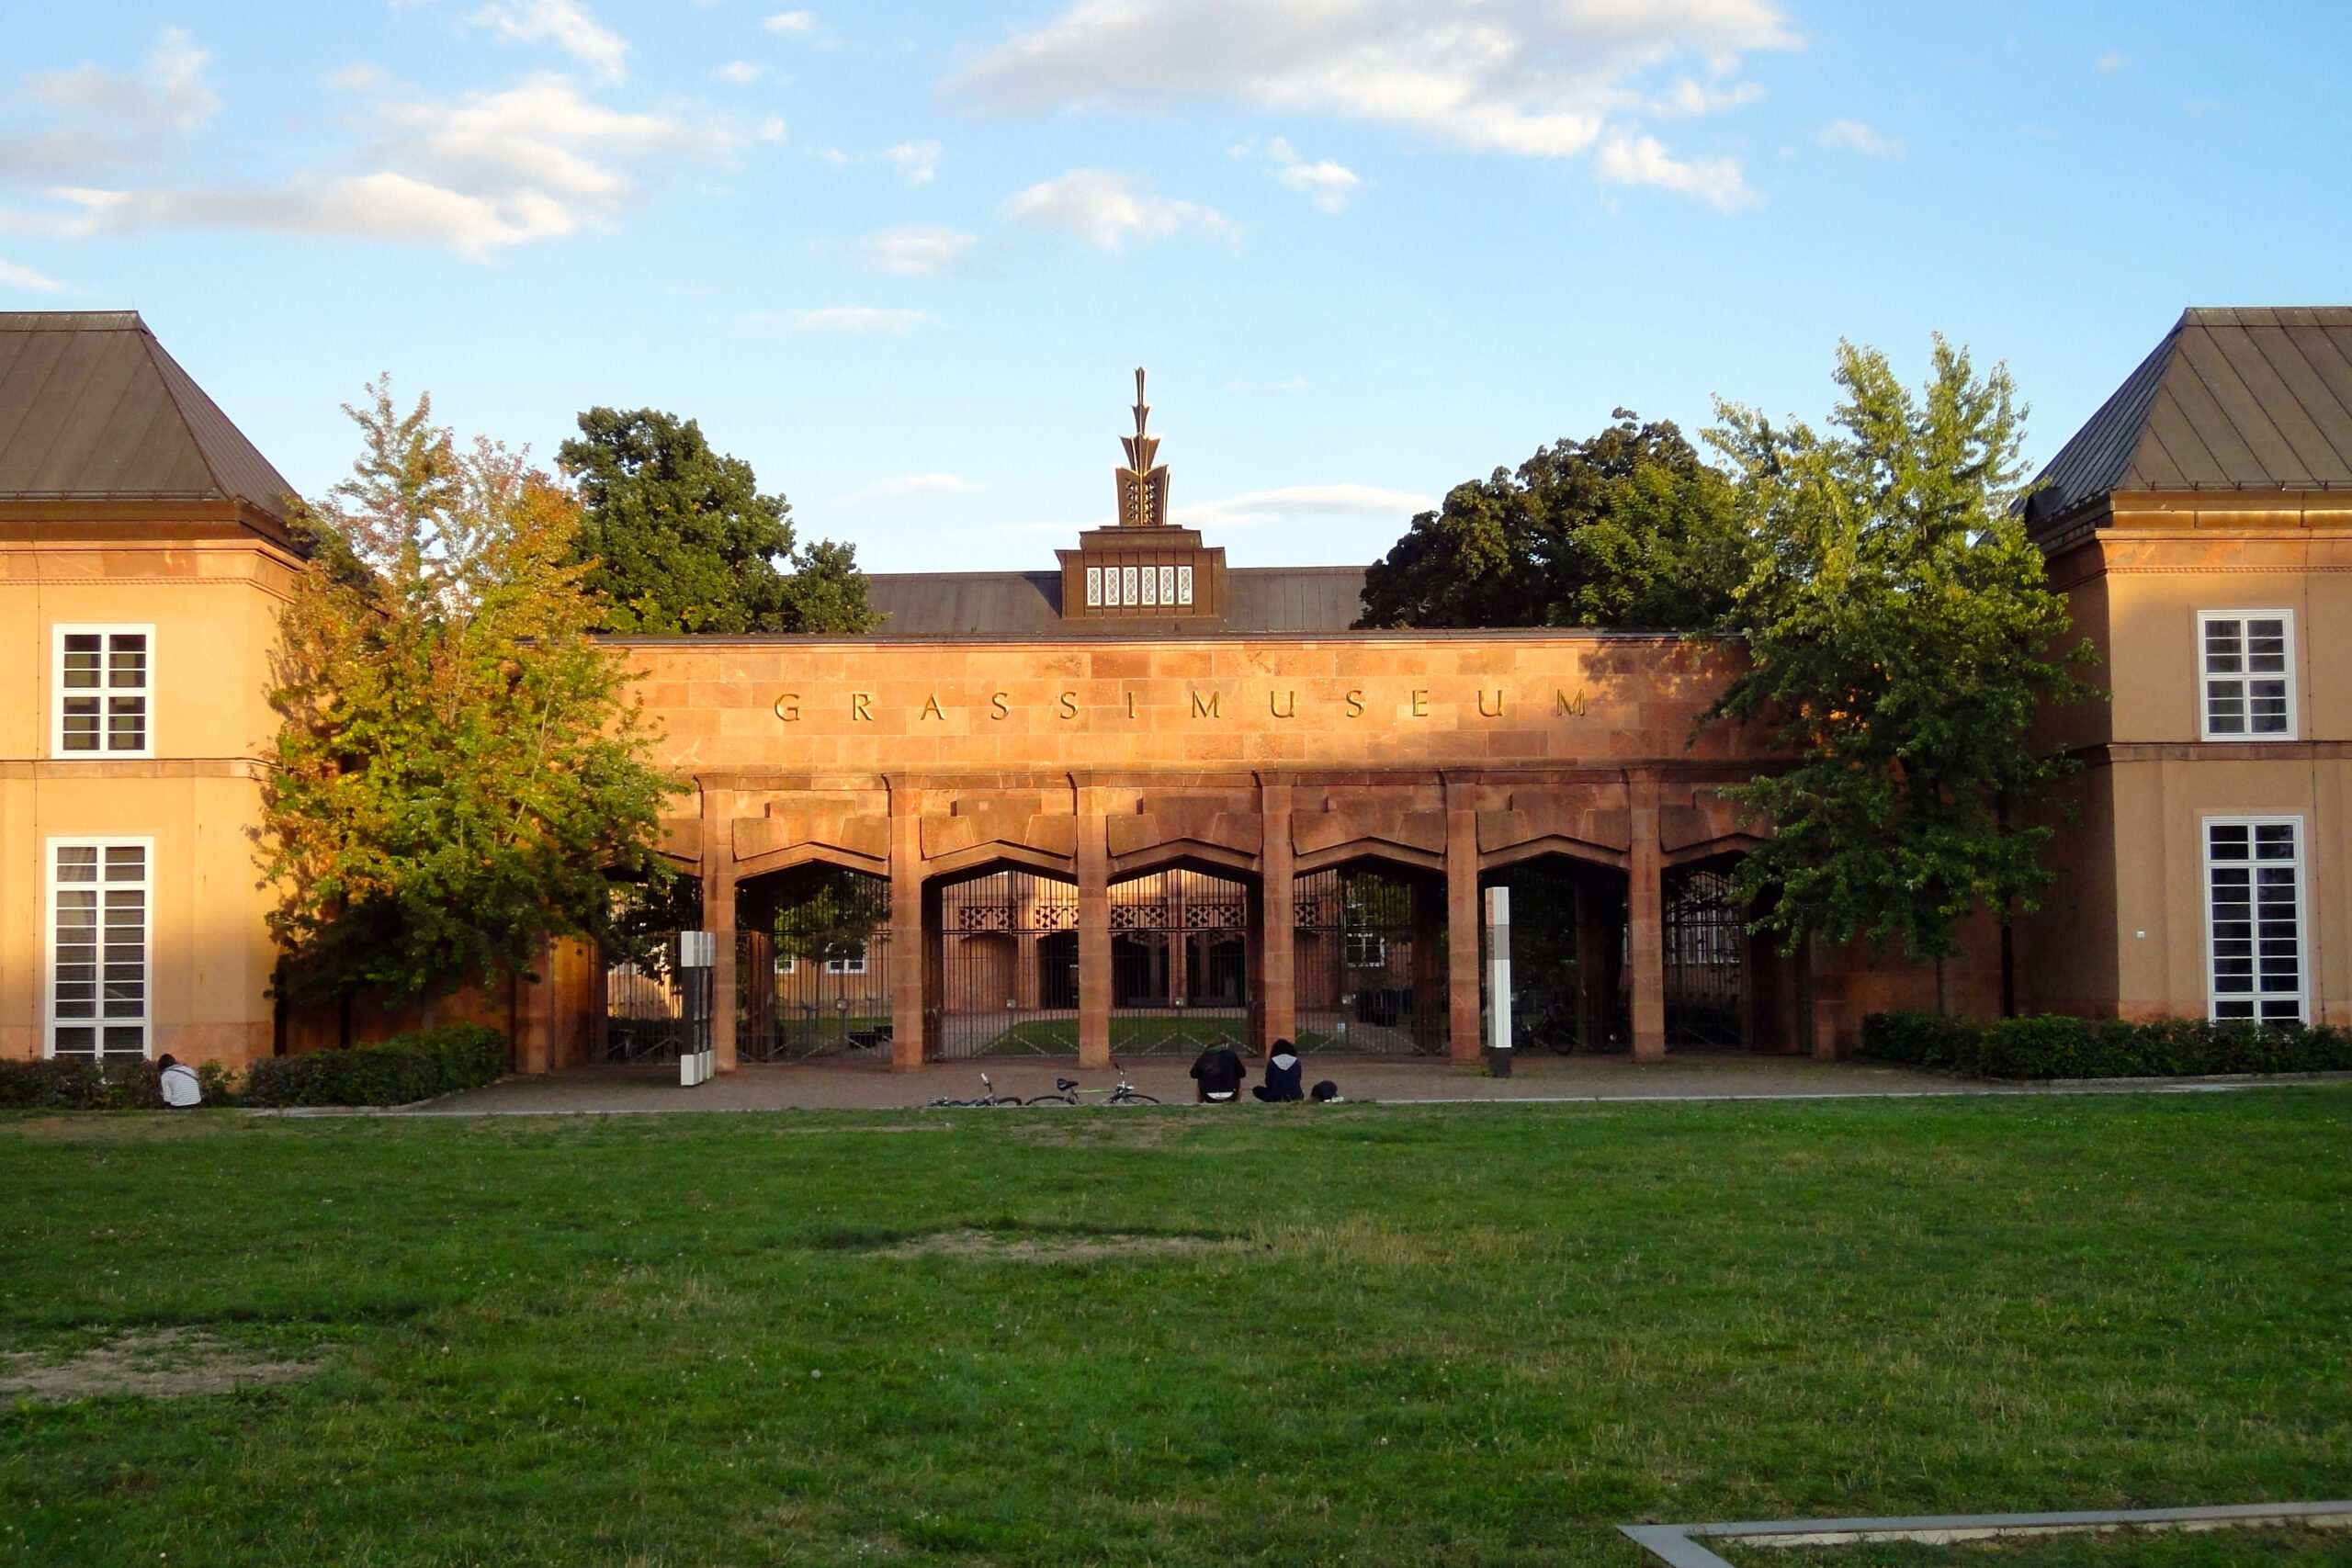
[{"x": 904, "y": 258}]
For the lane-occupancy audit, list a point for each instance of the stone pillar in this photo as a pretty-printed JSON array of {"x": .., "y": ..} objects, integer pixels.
[
  {"x": 1280, "y": 967},
  {"x": 1462, "y": 922},
  {"x": 1645, "y": 917},
  {"x": 1093, "y": 931},
  {"x": 719, "y": 918},
  {"x": 907, "y": 946}
]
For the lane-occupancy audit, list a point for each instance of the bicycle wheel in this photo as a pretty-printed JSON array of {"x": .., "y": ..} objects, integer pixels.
[
  {"x": 1051, "y": 1099},
  {"x": 1135, "y": 1099}
]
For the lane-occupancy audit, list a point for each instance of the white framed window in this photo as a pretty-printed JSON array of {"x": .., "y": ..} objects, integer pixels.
[
  {"x": 1168, "y": 585},
  {"x": 1127, "y": 588},
  {"x": 2253, "y": 920},
  {"x": 1094, "y": 586},
  {"x": 103, "y": 678},
  {"x": 854, "y": 964},
  {"x": 2248, "y": 661},
  {"x": 1366, "y": 950},
  {"x": 100, "y": 973},
  {"x": 1151, "y": 586},
  {"x": 1183, "y": 585}
]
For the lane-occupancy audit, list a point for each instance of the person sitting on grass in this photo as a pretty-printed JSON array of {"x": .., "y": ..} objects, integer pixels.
[
  {"x": 178, "y": 1083},
  {"x": 1219, "y": 1074},
  {"x": 1282, "y": 1075}
]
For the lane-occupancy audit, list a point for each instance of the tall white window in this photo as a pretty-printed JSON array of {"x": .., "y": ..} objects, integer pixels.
[
  {"x": 104, "y": 685},
  {"x": 2254, "y": 928},
  {"x": 100, "y": 970},
  {"x": 2248, "y": 658}
]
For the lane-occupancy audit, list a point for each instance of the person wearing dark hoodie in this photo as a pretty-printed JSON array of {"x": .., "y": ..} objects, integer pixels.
[
  {"x": 1219, "y": 1073},
  {"x": 1282, "y": 1070}
]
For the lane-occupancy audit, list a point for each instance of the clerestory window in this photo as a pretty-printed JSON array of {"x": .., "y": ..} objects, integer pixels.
[
  {"x": 105, "y": 685},
  {"x": 2247, "y": 658}
]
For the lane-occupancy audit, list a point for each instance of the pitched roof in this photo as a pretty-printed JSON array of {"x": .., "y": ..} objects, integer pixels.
[
  {"x": 1028, "y": 604},
  {"x": 2230, "y": 399},
  {"x": 92, "y": 409}
]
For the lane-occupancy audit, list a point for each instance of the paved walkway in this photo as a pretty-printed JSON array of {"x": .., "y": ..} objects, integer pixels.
[{"x": 1693, "y": 1075}]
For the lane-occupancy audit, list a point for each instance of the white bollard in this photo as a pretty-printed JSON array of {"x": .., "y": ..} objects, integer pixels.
[{"x": 1498, "y": 980}]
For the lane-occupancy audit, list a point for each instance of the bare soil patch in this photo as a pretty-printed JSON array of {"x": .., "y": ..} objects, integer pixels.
[
  {"x": 118, "y": 1127},
  {"x": 993, "y": 1246},
  {"x": 168, "y": 1363}
]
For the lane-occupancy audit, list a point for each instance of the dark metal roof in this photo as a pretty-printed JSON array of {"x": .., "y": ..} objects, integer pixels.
[
  {"x": 2230, "y": 399},
  {"x": 1028, "y": 603},
  {"x": 92, "y": 409}
]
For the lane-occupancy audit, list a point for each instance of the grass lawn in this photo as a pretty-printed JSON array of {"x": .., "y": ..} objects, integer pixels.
[{"x": 1356, "y": 1335}]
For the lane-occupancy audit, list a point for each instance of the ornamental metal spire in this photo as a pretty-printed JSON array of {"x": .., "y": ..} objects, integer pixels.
[{"x": 1143, "y": 483}]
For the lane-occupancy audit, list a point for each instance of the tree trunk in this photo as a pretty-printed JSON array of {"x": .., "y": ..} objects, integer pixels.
[{"x": 1943, "y": 987}]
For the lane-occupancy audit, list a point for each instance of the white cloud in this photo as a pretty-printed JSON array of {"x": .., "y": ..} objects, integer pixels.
[
  {"x": 792, "y": 24},
  {"x": 1856, "y": 137},
  {"x": 1640, "y": 161},
  {"x": 906, "y": 486},
  {"x": 1328, "y": 184},
  {"x": 843, "y": 319},
  {"x": 2108, "y": 64},
  {"x": 742, "y": 73},
  {"x": 1533, "y": 78},
  {"x": 15, "y": 276},
  {"x": 562, "y": 23},
  {"x": 917, "y": 162},
  {"x": 1265, "y": 506},
  {"x": 918, "y": 250},
  {"x": 133, "y": 120},
  {"x": 1108, "y": 209},
  {"x": 490, "y": 169}
]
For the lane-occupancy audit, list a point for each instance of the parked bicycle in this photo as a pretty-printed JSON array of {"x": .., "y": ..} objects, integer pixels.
[
  {"x": 988, "y": 1097},
  {"x": 1125, "y": 1094}
]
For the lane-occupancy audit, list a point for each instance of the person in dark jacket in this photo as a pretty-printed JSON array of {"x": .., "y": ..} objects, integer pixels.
[
  {"x": 1219, "y": 1074},
  {"x": 1282, "y": 1070}
]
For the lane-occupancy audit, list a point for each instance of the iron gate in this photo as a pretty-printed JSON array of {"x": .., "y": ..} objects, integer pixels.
[
  {"x": 1008, "y": 966},
  {"x": 654, "y": 1008},
  {"x": 1356, "y": 966},
  {"x": 812, "y": 967},
  {"x": 1706, "y": 946},
  {"x": 1180, "y": 975}
]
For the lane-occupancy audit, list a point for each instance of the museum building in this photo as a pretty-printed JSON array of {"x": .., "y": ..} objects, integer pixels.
[{"x": 1144, "y": 800}]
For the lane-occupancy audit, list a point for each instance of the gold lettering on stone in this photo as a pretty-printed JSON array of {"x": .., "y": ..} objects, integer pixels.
[
  {"x": 1482, "y": 703},
  {"x": 1355, "y": 702},
  {"x": 1565, "y": 706},
  {"x": 930, "y": 710},
  {"x": 787, "y": 707},
  {"x": 1069, "y": 704},
  {"x": 997, "y": 708},
  {"x": 1420, "y": 703},
  {"x": 1208, "y": 709},
  {"x": 1131, "y": 705},
  {"x": 857, "y": 709},
  {"x": 1274, "y": 706}
]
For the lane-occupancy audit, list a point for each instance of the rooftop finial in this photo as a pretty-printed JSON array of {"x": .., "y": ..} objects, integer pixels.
[{"x": 1143, "y": 483}]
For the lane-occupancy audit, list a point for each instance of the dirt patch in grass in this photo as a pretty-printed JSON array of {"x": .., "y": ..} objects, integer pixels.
[
  {"x": 168, "y": 1363},
  {"x": 997, "y": 1246},
  {"x": 1117, "y": 1127},
  {"x": 118, "y": 1127}
]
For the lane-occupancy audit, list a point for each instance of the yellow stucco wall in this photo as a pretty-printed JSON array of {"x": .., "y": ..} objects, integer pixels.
[{"x": 213, "y": 603}]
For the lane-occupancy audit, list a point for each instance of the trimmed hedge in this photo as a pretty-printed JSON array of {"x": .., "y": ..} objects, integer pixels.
[
  {"x": 67, "y": 1084},
  {"x": 405, "y": 1068},
  {"x": 2055, "y": 1046}
]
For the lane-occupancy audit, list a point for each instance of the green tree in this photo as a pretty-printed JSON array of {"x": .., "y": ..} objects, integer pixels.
[
  {"x": 1902, "y": 639},
  {"x": 1629, "y": 528},
  {"x": 456, "y": 775},
  {"x": 681, "y": 539}
]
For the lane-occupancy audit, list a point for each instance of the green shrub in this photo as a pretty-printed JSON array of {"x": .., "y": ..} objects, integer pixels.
[
  {"x": 405, "y": 1068},
  {"x": 2054, "y": 1045},
  {"x": 68, "y": 1083}
]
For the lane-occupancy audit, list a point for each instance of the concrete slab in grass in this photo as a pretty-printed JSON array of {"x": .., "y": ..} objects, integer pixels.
[{"x": 1679, "y": 1545}]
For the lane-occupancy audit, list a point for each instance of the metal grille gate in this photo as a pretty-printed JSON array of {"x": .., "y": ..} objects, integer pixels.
[
  {"x": 812, "y": 967},
  {"x": 1356, "y": 966},
  {"x": 1008, "y": 966},
  {"x": 1180, "y": 975},
  {"x": 1706, "y": 946},
  {"x": 650, "y": 1006}
]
